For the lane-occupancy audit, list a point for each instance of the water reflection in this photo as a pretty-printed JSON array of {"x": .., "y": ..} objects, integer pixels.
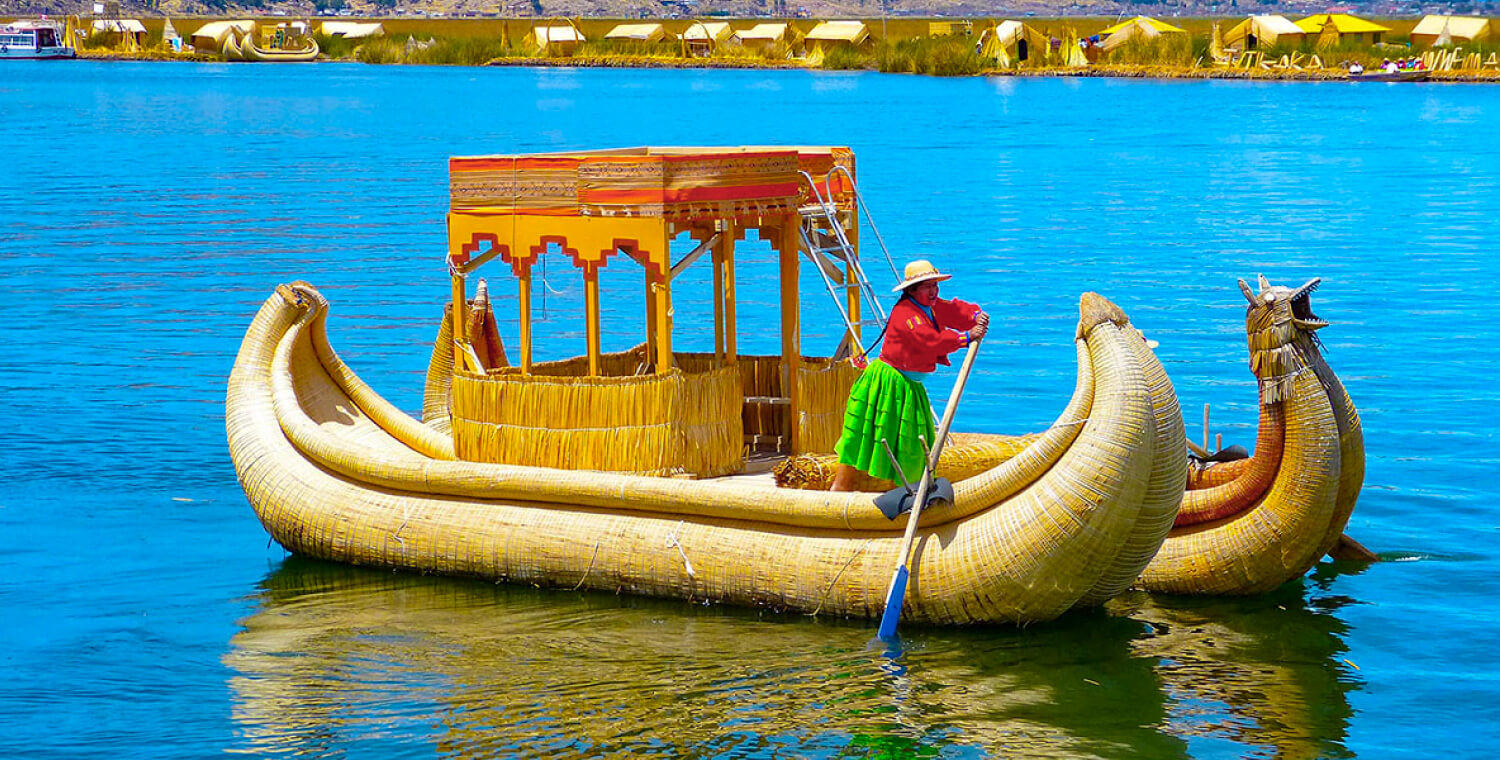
[
  {"x": 1264, "y": 674},
  {"x": 336, "y": 657}
]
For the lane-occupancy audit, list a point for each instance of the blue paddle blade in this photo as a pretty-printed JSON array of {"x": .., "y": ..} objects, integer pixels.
[{"x": 893, "y": 601}]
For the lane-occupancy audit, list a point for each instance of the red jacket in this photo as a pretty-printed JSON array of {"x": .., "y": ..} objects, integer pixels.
[{"x": 914, "y": 344}]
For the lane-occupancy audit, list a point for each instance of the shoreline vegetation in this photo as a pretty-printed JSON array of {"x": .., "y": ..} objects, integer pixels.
[{"x": 950, "y": 47}]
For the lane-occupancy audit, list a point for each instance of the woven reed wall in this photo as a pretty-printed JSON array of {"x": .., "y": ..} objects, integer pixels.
[
  {"x": 822, "y": 393},
  {"x": 673, "y": 423}
]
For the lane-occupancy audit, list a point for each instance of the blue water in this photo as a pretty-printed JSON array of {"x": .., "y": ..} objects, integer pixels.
[{"x": 147, "y": 211}]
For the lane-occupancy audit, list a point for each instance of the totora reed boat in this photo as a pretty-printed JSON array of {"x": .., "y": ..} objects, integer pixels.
[
  {"x": 1249, "y": 525},
  {"x": 643, "y": 471}
]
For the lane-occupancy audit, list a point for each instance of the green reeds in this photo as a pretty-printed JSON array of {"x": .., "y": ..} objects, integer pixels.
[
  {"x": 845, "y": 58},
  {"x": 934, "y": 56},
  {"x": 629, "y": 49},
  {"x": 336, "y": 46},
  {"x": 1163, "y": 50}
]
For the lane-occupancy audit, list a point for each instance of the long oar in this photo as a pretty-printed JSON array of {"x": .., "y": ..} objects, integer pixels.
[{"x": 897, "y": 595}]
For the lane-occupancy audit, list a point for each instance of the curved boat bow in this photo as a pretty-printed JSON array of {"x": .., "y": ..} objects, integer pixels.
[{"x": 336, "y": 472}]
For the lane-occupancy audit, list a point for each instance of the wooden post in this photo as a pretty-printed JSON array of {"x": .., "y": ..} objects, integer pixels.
[
  {"x": 1205, "y": 426},
  {"x": 718, "y": 259},
  {"x": 791, "y": 327},
  {"x": 663, "y": 308},
  {"x": 524, "y": 298},
  {"x": 650, "y": 318},
  {"x": 460, "y": 308},
  {"x": 591, "y": 318},
  {"x": 731, "y": 327}
]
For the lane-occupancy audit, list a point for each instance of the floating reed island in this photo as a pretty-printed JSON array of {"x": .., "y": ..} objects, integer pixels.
[
  {"x": 701, "y": 475},
  {"x": 1317, "y": 47}
]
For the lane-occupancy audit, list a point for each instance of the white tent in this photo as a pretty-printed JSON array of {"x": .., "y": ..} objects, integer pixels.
[{"x": 351, "y": 30}]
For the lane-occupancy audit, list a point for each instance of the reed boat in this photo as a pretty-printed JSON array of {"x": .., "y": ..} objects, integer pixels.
[
  {"x": 307, "y": 51},
  {"x": 635, "y": 471},
  {"x": 1249, "y": 525},
  {"x": 234, "y": 48}
]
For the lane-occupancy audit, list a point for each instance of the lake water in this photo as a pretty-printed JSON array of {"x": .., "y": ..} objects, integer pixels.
[{"x": 149, "y": 209}]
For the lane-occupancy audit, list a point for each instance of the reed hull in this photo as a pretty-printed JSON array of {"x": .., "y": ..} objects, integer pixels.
[
  {"x": 251, "y": 52},
  {"x": 1286, "y": 507},
  {"x": 334, "y": 472}
]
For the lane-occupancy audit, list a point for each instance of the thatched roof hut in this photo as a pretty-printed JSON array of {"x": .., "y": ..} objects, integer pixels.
[{"x": 1446, "y": 30}]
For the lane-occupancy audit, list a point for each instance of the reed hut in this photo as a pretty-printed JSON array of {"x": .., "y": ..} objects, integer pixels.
[
  {"x": 1257, "y": 32},
  {"x": 556, "y": 40},
  {"x": 210, "y": 36},
  {"x": 1446, "y": 30},
  {"x": 126, "y": 33},
  {"x": 701, "y": 37},
  {"x": 1349, "y": 29},
  {"x": 762, "y": 36},
  {"x": 1140, "y": 27},
  {"x": 351, "y": 30},
  {"x": 1011, "y": 42},
  {"x": 831, "y": 34},
  {"x": 638, "y": 33}
]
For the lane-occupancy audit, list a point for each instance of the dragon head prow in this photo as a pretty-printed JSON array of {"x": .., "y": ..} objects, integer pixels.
[{"x": 1280, "y": 326}]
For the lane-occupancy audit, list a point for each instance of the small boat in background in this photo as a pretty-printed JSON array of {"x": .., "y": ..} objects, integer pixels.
[
  {"x": 38, "y": 40},
  {"x": 1399, "y": 75}
]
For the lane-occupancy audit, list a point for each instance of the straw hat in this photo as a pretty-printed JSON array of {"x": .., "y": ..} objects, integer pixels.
[{"x": 920, "y": 270}]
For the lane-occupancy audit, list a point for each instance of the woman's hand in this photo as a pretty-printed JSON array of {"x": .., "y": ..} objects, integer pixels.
[{"x": 981, "y": 326}]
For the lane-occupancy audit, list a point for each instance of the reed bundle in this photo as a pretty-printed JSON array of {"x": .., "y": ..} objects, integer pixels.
[{"x": 966, "y": 455}]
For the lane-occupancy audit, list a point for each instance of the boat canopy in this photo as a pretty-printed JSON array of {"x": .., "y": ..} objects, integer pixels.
[{"x": 622, "y": 207}]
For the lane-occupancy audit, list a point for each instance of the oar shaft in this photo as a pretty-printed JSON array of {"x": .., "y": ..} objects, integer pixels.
[{"x": 896, "y": 596}]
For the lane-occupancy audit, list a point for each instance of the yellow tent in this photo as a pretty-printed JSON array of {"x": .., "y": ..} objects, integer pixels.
[
  {"x": 703, "y": 36},
  {"x": 211, "y": 36},
  {"x": 1348, "y": 28},
  {"x": 1264, "y": 31},
  {"x": 829, "y": 33},
  {"x": 1011, "y": 41},
  {"x": 1431, "y": 29},
  {"x": 1139, "y": 27},
  {"x": 562, "y": 40},
  {"x": 764, "y": 35},
  {"x": 351, "y": 30},
  {"x": 1160, "y": 27},
  {"x": 638, "y": 33}
]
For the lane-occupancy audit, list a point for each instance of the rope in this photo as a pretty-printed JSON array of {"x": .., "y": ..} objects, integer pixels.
[
  {"x": 828, "y": 591},
  {"x": 673, "y": 543},
  {"x": 588, "y": 569}
]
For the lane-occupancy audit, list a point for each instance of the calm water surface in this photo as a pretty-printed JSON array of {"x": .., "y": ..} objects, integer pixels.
[{"x": 149, "y": 209}]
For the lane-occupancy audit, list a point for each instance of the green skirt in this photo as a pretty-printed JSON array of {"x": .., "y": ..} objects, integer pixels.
[{"x": 884, "y": 404}]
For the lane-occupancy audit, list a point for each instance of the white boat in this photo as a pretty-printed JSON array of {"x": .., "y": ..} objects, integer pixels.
[{"x": 34, "y": 39}]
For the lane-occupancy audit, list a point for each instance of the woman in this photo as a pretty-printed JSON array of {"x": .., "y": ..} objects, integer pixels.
[{"x": 888, "y": 402}]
